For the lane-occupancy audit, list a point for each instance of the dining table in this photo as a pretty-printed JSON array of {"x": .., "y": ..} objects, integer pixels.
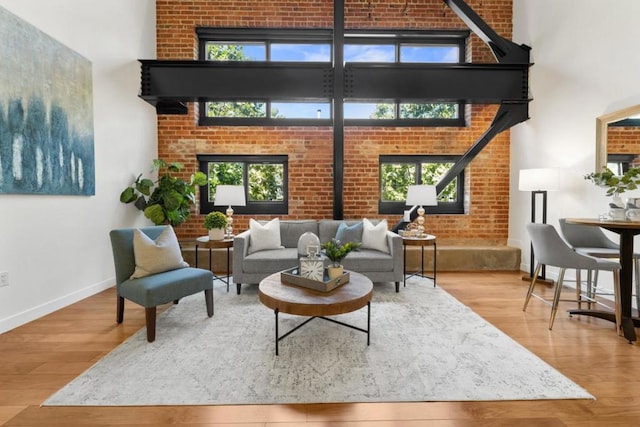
[{"x": 626, "y": 230}]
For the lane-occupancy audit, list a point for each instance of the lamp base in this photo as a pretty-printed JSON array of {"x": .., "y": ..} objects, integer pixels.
[{"x": 528, "y": 278}]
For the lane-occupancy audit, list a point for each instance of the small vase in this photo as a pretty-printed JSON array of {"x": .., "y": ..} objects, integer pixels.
[
  {"x": 335, "y": 272},
  {"x": 617, "y": 200},
  {"x": 216, "y": 234}
]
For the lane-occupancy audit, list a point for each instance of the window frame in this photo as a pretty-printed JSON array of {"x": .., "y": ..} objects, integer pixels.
[
  {"x": 398, "y": 208},
  {"x": 252, "y": 207},
  {"x": 269, "y": 36}
]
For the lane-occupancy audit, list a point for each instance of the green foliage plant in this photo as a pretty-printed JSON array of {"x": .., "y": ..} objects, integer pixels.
[
  {"x": 215, "y": 219},
  {"x": 336, "y": 251},
  {"x": 615, "y": 184},
  {"x": 167, "y": 200}
]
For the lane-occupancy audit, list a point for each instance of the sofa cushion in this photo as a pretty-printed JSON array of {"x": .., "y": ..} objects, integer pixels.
[
  {"x": 271, "y": 260},
  {"x": 156, "y": 256},
  {"x": 368, "y": 260},
  {"x": 349, "y": 233},
  {"x": 291, "y": 230},
  {"x": 375, "y": 236},
  {"x": 264, "y": 236}
]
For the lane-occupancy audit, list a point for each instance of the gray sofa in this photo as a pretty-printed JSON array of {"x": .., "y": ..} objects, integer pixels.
[{"x": 251, "y": 268}]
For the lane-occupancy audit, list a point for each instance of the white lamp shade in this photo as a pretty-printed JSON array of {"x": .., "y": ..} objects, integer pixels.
[
  {"x": 541, "y": 179},
  {"x": 229, "y": 195},
  {"x": 422, "y": 195}
]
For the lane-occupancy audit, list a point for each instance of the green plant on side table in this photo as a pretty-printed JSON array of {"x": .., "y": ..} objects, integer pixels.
[
  {"x": 167, "y": 200},
  {"x": 215, "y": 222},
  {"x": 336, "y": 251}
]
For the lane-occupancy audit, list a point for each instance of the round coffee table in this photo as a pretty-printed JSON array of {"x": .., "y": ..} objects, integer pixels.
[{"x": 302, "y": 301}]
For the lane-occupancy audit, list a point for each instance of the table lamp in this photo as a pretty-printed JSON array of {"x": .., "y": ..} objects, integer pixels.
[
  {"x": 228, "y": 195},
  {"x": 421, "y": 195}
]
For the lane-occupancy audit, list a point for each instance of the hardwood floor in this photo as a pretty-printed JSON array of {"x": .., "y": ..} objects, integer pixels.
[{"x": 42, "y": 356}]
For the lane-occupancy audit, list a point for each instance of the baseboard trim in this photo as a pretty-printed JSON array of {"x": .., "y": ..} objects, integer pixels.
[{"x": 34, "y": 313}]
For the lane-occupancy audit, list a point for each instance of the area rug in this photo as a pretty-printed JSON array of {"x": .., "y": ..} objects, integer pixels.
[{"x": 425, "y": 346}]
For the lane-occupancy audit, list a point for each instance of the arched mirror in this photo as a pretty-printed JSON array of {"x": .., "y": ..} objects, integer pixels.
[{"x": 618, "y": 139}]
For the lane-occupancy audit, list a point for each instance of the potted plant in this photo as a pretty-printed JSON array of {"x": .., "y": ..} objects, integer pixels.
[
  {"x": 215, "y": 222},
  {"x": 336, "y": 251},
  {"x": 167, "y": 200},
  {"x": 615, "y": 184}
]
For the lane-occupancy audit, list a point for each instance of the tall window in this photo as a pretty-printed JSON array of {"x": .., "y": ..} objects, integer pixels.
[
  {"x": 397, "y": 173},
  {"x": 263, "y": 177},
  {"x": 286, "y": 45}
]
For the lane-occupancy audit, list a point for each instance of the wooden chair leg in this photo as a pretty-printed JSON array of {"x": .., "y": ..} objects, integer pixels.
[
  {"x": 532, "y": 286},
  {"x": 119, "y": 309},
  {"x": 150, "y": 316},
  {"x": 208, "y": 297},
  {"x": 556, "y": 298}
]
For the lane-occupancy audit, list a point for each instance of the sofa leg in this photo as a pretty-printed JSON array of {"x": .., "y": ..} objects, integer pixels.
[
  {"x": 238, "y": 288},
  {"x": 208, "y": 297},
  {"x": 397, "y": 286},
  {"x": 119, "y": 309},
  {"x": 150, "y": 316}
]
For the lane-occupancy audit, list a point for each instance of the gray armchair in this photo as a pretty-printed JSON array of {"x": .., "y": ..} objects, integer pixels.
[{"x": 156, "y": 289}]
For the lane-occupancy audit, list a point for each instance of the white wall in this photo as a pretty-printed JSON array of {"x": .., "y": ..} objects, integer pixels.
[
  {"x": 586, "y": 64},
  {"x": 56, "y": 248}
]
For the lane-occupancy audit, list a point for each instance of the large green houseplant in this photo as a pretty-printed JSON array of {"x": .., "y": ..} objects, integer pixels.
[{"x": 167, "y": 200}]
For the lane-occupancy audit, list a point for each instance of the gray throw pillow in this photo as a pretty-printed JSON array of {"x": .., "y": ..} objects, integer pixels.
[{"x": 349, "y": 233}]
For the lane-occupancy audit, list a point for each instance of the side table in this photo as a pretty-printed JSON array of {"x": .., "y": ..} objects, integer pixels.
[
  {"x": 426, "y": 240},
  {"x": 215, "y": 244}
]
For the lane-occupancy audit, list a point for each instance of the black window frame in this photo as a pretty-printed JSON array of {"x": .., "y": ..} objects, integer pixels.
[
  {"x": 325, "y": 36},
  {"x": 398, "y": 208},
  {"x": 252, "y": 207}
]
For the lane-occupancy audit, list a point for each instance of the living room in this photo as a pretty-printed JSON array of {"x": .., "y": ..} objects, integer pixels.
[{"x": 584, "y": 67}]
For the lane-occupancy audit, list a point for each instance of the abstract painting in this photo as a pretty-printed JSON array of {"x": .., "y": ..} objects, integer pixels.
[{"x": 46, "y": 114}]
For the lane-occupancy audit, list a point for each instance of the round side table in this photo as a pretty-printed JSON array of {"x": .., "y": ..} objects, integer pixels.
[{"x": 426, "y": 240}]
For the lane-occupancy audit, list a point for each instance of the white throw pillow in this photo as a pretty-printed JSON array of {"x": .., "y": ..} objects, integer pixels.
[
  {"x": 375, "y": 236},
  {"x": 265, "y": 236},
  {"x": 157, "y": 256}
]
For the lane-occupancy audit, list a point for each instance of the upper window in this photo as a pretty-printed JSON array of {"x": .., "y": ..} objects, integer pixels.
[
  {"x": 397, "y": 173},
  {"x": 286, "y": 45},
  {"x": 263, "y": 177}
]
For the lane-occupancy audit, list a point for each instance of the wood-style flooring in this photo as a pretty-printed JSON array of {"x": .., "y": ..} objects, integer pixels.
[{"x": 39, "y": 358}]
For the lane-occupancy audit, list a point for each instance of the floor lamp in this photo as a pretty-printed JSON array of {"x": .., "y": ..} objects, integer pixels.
[{"x": 539, "y": 182}]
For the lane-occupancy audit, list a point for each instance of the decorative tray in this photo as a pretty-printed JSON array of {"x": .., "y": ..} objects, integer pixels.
[{"x": 292, "y": 277}]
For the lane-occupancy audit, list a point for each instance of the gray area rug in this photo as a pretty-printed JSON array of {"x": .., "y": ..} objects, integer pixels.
[{"x": 425, "y": 346}]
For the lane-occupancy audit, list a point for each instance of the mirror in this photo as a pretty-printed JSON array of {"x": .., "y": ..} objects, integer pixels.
[{"x": 603, "y": 124}]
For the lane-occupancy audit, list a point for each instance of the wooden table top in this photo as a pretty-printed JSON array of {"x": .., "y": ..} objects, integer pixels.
[
  {"x": 605, "y": 222},
  {"x": 205, "y": 242},
  {"x": 297, "y": 300}
]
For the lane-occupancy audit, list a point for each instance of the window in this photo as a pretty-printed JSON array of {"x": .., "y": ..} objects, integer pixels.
[
  {"x": 263, "y": 177},
  {"x": 403, "y": 48},
  {"x": 315, "y": 45},
  {"x": 397, "y": 173}
]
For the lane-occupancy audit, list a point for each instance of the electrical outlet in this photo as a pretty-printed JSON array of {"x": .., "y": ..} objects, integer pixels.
[{"x": 4, "y": 278}]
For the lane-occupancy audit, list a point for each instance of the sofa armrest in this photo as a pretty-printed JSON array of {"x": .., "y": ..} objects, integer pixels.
[
  {"x": 395, "y": 249},
  {"x": 240, "y": 251}
]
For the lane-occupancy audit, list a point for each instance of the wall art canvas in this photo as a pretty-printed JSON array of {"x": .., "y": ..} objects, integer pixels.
[{"x": 46, "y": 114}]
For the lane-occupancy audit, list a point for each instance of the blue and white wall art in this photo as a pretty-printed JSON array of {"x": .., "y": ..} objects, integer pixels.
[{"x": 46, "y": 114}]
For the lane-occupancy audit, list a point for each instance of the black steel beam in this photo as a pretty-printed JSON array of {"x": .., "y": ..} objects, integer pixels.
[
  {"x": 508, "y": 115},
  {"x": 338, "y": 109},
  {"x": 505, "y": 51},
  {"x": 471, "y": 83},
  {"x": 208, "y": 80}
]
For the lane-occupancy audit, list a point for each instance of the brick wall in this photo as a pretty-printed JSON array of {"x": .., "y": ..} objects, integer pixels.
[
  {"x": 310, "y": 148},
  {"x": 624, "y": 140}
]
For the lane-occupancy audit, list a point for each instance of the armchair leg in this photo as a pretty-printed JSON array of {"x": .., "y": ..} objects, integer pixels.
[
  {"x": 150, "y": 316},
  {"x": 397, "y": 286},
  {"x": 208, "y": 297},
  {"x": 238, "y": 288},
  {"x": 120, "y": 309}
]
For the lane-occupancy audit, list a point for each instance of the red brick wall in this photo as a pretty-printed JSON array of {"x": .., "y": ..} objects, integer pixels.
[
  {"x": 310, "y": 148},
  {"x": 624, "y": 140}
]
